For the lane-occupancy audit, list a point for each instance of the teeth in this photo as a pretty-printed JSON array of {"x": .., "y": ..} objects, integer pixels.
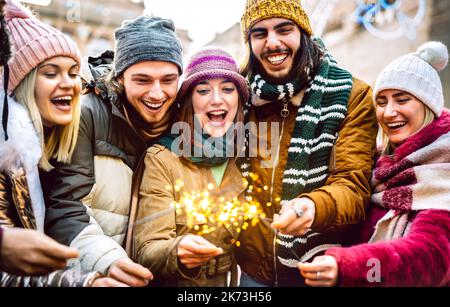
[
  {"x": 278, "y": 59},
  {"x": 221, "y": 112},
  {"x": 153, "y": 105},
  {"x": 64, "y": 98},
  {"x": 396, "y": 125}
]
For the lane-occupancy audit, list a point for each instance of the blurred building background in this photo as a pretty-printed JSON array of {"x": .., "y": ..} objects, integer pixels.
[
  {"x": 354, "y": 47},
  {"x": 91, "y": 23},
  {"x": 339, "y": 22}
]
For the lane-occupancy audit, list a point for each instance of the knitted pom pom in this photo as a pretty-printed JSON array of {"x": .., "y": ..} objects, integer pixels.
[
  {"x": 15, "y": 10},
  {"x": 435, "y": 53}
]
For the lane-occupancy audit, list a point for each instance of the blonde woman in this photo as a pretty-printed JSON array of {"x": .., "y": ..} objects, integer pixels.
[
  {"x": 40, "y": 117},
  {"x": 408, "y": 226}
]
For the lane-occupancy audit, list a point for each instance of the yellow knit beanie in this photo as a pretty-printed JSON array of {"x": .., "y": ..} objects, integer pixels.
[{"x": 257, "y": 10}]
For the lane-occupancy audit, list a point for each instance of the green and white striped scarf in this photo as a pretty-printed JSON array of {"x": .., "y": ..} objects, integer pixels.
[
  {"x": 323, "y": 108},
  {"x": 319, "y": 117}
]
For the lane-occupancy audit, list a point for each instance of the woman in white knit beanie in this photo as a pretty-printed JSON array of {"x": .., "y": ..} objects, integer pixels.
[
  {"x": 408, "y": 93},
  {"x": 408, "y": 222}
]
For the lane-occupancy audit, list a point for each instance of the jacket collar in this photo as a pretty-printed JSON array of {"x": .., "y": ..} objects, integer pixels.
[
  {"x": 117, "y": 106},
  {"x": 296, "y": 100},
  {"x": 23, "y": 145},
  {"x": 21, "y": 154}
]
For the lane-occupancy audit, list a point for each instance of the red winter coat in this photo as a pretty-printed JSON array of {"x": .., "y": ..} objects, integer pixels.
[{"x": 422, "y": 258}]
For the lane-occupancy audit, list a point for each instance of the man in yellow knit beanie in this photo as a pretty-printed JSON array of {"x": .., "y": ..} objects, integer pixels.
[
  {"x": 313, "y": 177},
  {"x": 256, "y": 11}
]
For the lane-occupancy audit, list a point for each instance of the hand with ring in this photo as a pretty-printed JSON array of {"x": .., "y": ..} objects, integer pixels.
[
  {"x": 296, "y": 217},
  {"x": 321, "y": 272}
]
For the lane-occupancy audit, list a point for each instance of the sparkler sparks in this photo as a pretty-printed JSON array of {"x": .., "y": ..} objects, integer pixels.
[{"x": 208, "y": 210}]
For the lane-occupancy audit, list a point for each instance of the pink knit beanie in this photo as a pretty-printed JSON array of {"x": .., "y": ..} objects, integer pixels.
[{"x": 34, "y": 42}]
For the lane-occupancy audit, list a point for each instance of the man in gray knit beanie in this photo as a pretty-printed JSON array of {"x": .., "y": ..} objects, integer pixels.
[
  {"x": 129, "y": 105},
  {"x": 149, "y": 48},
  {"x": 147, "y": 39}
]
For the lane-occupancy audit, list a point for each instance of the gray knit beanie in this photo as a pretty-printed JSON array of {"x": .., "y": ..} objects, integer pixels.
[{"x": 146, "y": 39}]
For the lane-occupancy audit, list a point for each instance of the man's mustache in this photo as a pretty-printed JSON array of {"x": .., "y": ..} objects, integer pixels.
[{"x": 267, "y": 53}]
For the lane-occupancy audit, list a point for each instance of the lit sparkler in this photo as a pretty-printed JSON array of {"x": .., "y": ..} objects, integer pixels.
[{"x": 208, "y": 210}]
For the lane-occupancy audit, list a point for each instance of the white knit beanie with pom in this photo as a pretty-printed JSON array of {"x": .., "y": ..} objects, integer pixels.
[{"x": 417, "y": 74}]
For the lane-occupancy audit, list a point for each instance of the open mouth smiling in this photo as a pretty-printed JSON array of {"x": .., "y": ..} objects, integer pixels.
[
  {"x": 276, "y": 59},
  {"x": 217, "y": 116},
  {"x": 63, "y": 102},
  {"x": 153, "y": 106},
  {"x": 397, "y": 125}
]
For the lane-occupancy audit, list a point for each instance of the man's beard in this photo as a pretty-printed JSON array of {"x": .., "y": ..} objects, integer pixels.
[{"x": 258, "y": 68}]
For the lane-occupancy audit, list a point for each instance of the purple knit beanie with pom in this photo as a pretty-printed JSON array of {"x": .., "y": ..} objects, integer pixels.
[{"x": 211, "y": 63}]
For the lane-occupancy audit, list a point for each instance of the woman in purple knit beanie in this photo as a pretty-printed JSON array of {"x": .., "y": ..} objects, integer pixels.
[
  {"x": 190, "y": 179},
  {"x": 408, "y": 224}
]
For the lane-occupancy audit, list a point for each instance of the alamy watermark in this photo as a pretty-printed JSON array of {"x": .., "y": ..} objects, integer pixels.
[
  {"x": 198, "y": 144},
  {"x": 74, "y": 10},
  {"x": 374, "y": 274}
]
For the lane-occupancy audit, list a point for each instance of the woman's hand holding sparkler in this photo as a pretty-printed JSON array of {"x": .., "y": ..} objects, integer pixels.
[
  {"x": 296, "y": 217},
  {"x": 194, "y": 251}
]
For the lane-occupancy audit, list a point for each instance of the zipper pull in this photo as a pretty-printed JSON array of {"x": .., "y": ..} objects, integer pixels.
[{"x": 285, "y": 111}]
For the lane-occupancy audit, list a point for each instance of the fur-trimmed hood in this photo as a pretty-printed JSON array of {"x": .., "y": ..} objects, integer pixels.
[{"x": 23, "y": 150}]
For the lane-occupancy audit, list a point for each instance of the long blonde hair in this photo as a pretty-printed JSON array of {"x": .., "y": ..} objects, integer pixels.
[
  {"x": 62, "y": 140},
  {"x": 383, "y": 139}
]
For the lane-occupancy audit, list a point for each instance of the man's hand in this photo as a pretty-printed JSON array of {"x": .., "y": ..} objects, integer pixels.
[
  {"x": 194, "y": 251},
  {"x": 130, "y": 273},
  {"x": 296, "y": 217},
  {"x": 322, "y": 272},
  {"x": 28, "y": 252}
]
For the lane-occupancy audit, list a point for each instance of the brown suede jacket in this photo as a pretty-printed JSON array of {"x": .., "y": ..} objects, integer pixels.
[
  {"x": 340, "y": 203},
  {"x": 159, "y": 228}
]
